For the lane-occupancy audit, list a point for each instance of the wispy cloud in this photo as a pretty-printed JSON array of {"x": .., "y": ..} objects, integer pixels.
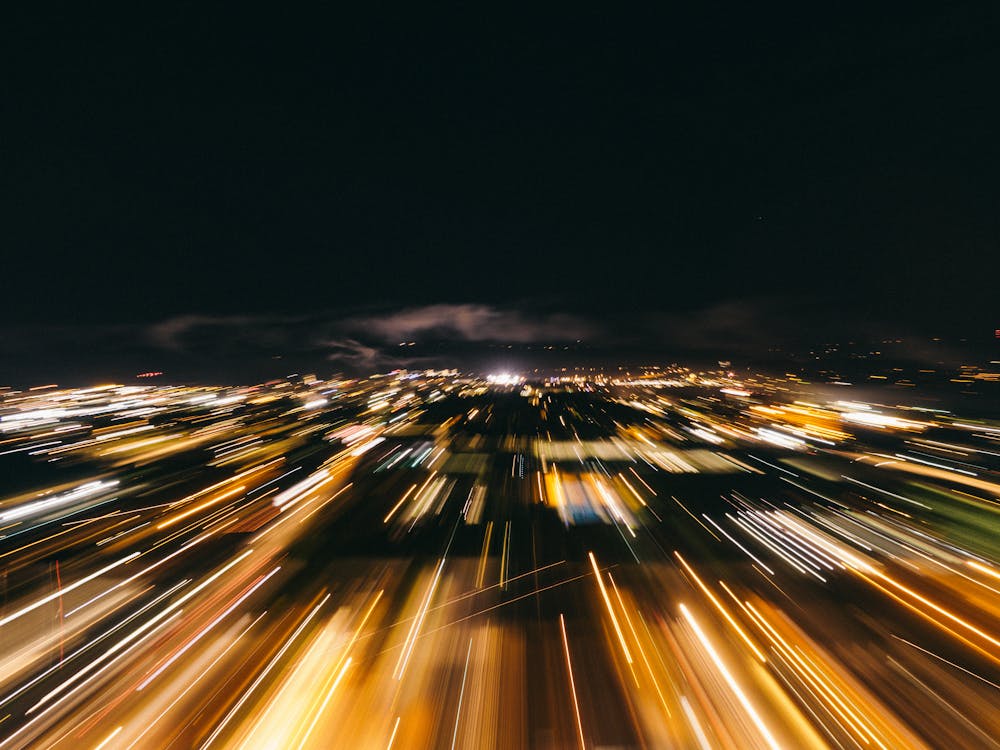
[
  {"x": 355, "y": 355},
  {"x": 367, "y": 340},
  {"x": 445, "y": 335},
  {"x": 470, "y": 322},
  {"x": 177, "y": 333}
]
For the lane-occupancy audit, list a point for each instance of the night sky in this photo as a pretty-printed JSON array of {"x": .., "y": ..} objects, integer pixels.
[{"x": 276, "y": 180}]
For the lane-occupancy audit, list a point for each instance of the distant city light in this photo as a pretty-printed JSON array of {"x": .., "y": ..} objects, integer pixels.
[{"x": 505, "y": 378}]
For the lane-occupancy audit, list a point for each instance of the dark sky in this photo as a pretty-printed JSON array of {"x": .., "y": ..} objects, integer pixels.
[{"x": 283, "y": 164}]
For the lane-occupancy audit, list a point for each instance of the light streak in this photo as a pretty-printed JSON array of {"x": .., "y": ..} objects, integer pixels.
[
  {"x": 733, "y": 685},
  {"x": 572, "y": 683},
  {"x": 611, "y": 611},
  {"x": 461, "y": 695}
]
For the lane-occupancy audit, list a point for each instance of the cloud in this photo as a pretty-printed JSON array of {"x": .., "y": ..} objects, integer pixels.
[
  {"x": 471, "y": 322},
  {"x": 358, "y": 341},
  {"x": 176, "y": 333},
  {"x": 356, "y": 355},
  {"x": 370, "y": 339},
  {"x": 366, "y": 340}
]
